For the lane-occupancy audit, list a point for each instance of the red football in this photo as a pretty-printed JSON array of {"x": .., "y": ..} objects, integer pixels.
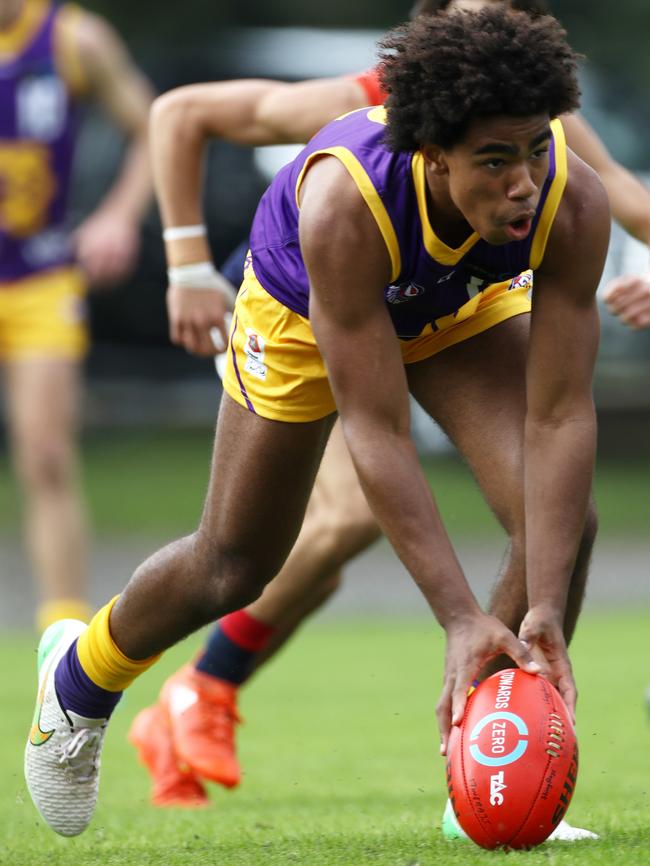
[{"x": 512, "y": 763}]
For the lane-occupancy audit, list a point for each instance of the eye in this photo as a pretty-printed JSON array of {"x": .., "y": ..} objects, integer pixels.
[
  {"x": 540, "y": 153},
  {"x": 494, "y": 162}
]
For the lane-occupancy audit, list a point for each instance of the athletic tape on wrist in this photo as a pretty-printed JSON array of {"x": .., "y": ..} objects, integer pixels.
[
  {"x": 202, "y": 276},
  {"x": 179, "y": 233}
]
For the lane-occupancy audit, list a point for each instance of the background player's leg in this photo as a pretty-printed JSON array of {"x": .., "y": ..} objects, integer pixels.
[
  {"x": 43, "y": 398},
  {"x": 476, "y": 391},
  {"x": 262, "y": 474}
]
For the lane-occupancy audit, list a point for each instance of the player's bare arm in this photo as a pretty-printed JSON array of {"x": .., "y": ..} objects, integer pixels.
[
  {"x": 253, "y": 112},
  {"x": 627, "y": 296},
  {"x": 560, "y": 435},
  {"x": 349, "y": 266},
  {"x": 107, "y": 242}
]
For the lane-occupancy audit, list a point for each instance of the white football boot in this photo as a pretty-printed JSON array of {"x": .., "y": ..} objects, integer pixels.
[
  {"x": 564, "y": 832},
  {"x": 63, "y": 749}
]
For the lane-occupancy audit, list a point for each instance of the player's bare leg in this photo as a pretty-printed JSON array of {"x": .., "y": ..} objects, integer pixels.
[
  {"x": 338, "y": 525},
  {"x": 261, "y": 478},
  {"x": 481, "y": 406},
  {"x": 43, "y": 397}
]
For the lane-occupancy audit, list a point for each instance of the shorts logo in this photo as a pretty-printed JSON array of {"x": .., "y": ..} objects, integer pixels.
[
  {"x": 254, "y": 349},
  {"x": 523, "y": 281},
  {"x": 499, "y": 757}
]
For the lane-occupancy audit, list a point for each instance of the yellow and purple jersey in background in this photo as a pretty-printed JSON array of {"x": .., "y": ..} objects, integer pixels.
[
  {"x": 37, "y": 131},
  {"x": 430, "y": 281}
]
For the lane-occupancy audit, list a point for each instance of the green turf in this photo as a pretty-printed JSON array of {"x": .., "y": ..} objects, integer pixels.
[
  {"x": 154, "y": 482},
  {"x": 339, "y": 748}
]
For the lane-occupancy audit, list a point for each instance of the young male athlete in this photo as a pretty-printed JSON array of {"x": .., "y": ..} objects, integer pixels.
[
  {"x": 388, "y": 257},
  {"x": 51, "y": 58},
  {"x": 339, "y": 523}
]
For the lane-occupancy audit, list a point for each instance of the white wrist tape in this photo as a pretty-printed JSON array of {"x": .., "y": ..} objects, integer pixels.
[
  {"x": 179, "y": 233},
  {"x": 203, "y": 276}
]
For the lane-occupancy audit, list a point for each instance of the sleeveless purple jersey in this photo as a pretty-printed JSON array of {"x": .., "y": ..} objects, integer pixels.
[
  {"x": 37, "y": 131},
  {"x": 430, "y": 280}
]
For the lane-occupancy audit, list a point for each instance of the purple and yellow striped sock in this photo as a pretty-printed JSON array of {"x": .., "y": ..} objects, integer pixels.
[{"x": 94, "y": 671}]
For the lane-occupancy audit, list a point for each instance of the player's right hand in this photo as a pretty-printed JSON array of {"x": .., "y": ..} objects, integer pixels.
[
  {"x": 196, "y": 312},
  {"x": 541, "y": 630},
  {"x": 472, "y": 642},
  {"x": 628, "y": 297}
]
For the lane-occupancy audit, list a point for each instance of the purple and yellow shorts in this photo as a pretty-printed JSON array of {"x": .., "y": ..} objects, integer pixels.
[
  {"x": 44, "y": 316},
  {"x": 275, "y": 369}
]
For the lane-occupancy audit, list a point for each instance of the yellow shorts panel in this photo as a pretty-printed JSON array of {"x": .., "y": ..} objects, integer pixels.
[
  {"x": 44, "y": 316},
  {"x": 275, "y": 369}
]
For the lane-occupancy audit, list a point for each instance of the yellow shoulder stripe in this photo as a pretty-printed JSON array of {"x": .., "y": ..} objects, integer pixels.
[
  {"x": 370, "y": 196},
  {"x": 16, "y": 37},
  {"x": 437, "y": 249},
  {"x": 68, "y": 61},
  {"x": 538, "y": 246}
]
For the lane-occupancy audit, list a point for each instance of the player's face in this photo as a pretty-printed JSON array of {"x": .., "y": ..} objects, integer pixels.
[{"x": 494, "y": 176}]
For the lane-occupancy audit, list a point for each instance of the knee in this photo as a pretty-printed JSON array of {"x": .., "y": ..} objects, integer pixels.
[
  {"x": 44, "y": 464},
  {"x": 344, "y": 528},
  {"x": 224, "y": 580}
]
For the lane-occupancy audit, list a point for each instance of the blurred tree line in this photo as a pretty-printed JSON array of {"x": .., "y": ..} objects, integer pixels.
[{"x": 614, "y": 37}]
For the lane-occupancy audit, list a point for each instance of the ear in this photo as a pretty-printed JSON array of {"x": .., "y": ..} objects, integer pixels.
[{"x": 435, "y": 159}]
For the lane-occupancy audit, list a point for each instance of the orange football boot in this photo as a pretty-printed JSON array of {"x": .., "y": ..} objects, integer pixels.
[
  {"x": 172, "y": 785},
  {"x": 202, "y": 712}
]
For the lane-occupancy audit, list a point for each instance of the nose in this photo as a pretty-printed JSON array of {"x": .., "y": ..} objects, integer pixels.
[{"x": 521, "y": 185}]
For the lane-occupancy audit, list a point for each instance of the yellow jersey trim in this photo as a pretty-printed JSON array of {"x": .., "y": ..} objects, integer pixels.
[
  {"x": 19, "y": 34},
  {"x": 66, "y": 51},
  {"x": 437, "y": 249},
  {"x": 370, "y": 196},
  {"x": 558, "y": 184}
]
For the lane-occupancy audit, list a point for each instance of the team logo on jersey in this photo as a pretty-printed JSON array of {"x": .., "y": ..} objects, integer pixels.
[
  {"x": 522, "y": 281},
  {"x": 401, "y": 292},
  {"x": 27, "y": 187},
  {"x": 254, "y": 349},
  {"x": 41, "y": 104}
]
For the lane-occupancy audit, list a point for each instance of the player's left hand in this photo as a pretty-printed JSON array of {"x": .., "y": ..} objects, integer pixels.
[
  {"x": 541, "y": 630},
  {"x": 628, "y": 298},
  {"x": 106, "y": 246}
]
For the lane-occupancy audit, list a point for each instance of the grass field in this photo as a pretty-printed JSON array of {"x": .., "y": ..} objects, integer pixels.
[
  {"x": 154, "y": 481},
  {"x": 339, "y": 749}
]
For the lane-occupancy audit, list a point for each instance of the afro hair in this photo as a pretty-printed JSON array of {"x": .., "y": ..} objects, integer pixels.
[{"x": 446, "y": 70}]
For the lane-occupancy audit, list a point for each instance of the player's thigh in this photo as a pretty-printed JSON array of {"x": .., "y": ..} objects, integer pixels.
[
  {"x": 262, "y": 475},
  {"x": 476, "y": 391},
  {"x": 43, "y": 400}
]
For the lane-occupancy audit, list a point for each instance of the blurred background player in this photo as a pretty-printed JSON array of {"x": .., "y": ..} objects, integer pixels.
[
  {"x": 51, "y": 58},
  {"x": 338, "y": 524}
]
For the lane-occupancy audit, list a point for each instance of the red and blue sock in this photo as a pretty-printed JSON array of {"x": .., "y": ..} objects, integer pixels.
[{"x": 232, "y": 647}]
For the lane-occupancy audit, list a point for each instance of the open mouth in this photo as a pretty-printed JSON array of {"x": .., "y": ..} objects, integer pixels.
[{"x": 517, "y": 230}]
